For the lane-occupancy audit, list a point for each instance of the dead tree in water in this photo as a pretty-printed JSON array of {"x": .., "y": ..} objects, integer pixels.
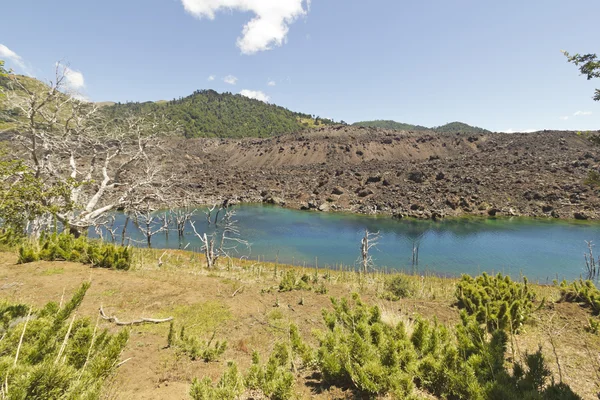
[
  {"x": 182, "y": 216},
  {"x": 148, "y": 224},
  {"x": 368, "y": 241},
  {"x": 591, "y": 265},
  {"x": 224, "y": 239}
]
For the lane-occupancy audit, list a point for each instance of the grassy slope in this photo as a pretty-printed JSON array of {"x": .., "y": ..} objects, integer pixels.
[{"x": 239, "y": 304}]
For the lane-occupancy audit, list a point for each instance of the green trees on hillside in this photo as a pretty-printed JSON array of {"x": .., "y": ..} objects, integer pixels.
[
  {"x": 207, "y": 113},
  {"x": 452, "y": 127},
  {"x": 388, "y": 124},
  {"x": 589, "y": 65}
]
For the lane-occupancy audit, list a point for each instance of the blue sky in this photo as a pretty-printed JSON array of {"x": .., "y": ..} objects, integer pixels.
[{"x": 493, "y": 64}]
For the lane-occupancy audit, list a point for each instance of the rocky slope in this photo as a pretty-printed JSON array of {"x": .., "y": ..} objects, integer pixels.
[{"x": 416, "y": 174}]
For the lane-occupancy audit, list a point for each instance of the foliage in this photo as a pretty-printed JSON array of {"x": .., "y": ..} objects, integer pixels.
[
  {"x": 23, "y": 196},
  {"x": 65, "y": 247},
  {"x": 459, "y": 127},
  {"x": 229, "y": 387},
  {"x": 207, "y": 113},
  {"x": 292, "y": 280},
  {"x": 360, "y": 351},
  {"x": 498, "y": 301},
  {"x": 49, "y": 355},
  {"x": 589, "y": 65},
  {"x": 581, "y": 292},
  {"x": 397, "y": 287},
  {"x": 274, "y": 378},
  {"x": 388, "y": 124},
  {"x": 592, "y": 179},
  {"x": 194, "y": 347},
  {"x": 452, "y": 127}
]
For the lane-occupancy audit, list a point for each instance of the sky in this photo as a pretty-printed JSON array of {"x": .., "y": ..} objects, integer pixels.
[{"x": 497, "y": 65}]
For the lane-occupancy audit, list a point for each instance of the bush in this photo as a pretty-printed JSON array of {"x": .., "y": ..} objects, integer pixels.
[
  {"x": 397, "y": 287},
  {"x": 230, "y": 386},
  {"x": 194, "y": 347},
  {"x": 361, "y": 352},
  {"x": 498, "y": 302},
  {"x": 291, "y": 281},
  {"x": 57, "y": 358},
  {"x": 581, "y": 292},
  {"x": 274, "y": 379},
  {"x": 65, "y": 247}
]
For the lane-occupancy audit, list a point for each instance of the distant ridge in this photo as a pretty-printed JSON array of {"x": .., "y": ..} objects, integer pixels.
[{"x": 400, "y": 126}]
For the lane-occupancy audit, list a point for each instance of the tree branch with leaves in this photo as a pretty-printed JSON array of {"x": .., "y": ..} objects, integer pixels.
[{"x": 589, "y": 65}]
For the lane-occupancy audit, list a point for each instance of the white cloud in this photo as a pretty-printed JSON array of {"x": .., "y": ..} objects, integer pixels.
[
  {"x": 232, "y": 80},
  {"x": 271, "y": 83},
  {"x": 8, "y": 54},
  {"x": 255, "y": 94},
  {"x": 73, "y": 79},
  {"x": 270, "y": 24},
  {"x": 579, "y": 113},
  {"x": 211, "y": 78},
  {"x": 520, "y": 130},
  {"x": 564, "y": 118}
]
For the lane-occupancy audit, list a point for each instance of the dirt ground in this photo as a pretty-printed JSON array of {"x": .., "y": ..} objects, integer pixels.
[{"x": 242, "y": 306}]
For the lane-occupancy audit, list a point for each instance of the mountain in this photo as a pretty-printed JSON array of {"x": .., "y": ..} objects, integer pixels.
[
  {"x": 459, "y": 127},
  {"x": 388, "y": 124},
  {"x": 206, "y": 113},
  {"x": 452, "y": 127}
]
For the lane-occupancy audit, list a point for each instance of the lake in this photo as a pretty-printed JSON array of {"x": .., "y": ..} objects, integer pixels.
[{"x": 542, "y": 250}]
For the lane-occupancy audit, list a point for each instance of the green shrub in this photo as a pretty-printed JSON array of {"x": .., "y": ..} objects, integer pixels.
[
  {"x": 194, "y": 347},
  {"x": 291, "y": 281},
  {"x": 498, "y": 301},
  {"x": 361, "y": 352},
  {"x": 274, "y": 378},
  {"x": 581, "y": 292},
  {"x": 65, "y": 247},
  {"x": 397, "y": 287},
  {"x": 592, "y": 179},
  {"x": 59, "y": 357},
  {"x": 229, "y": 387}
]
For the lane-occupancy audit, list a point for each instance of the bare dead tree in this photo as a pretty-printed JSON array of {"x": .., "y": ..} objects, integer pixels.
[
  {"x": 166, "y": 220},
  {"x": 208, "y": 213},
  {"x": 591, "y": 266},
  {"x": 95, "y": 158},
  {"x": 124, "y": 230},
  {"x": 148, "y": 223},
  {"x": 224, "y": 240},
  {"x": 369, "y": 240},
  {"x": 182, "y": 216}
]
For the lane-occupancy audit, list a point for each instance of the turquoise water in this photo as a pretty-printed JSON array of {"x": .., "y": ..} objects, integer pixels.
[{"x": 542, "y": 250}]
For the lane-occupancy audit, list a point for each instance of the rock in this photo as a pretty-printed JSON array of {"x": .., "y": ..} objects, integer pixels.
[
  {"x": 374, "y": 179},
  {"x": 275, "y": 200},
  {"x": 337, "y": 191},
  {"x": 365, "y": 192},
  {"x": 493, "y": 211},
  {"x": 416, "y": 176},
  {"x": 439, "y": 176},
  {"x": 580, "y": 215},
  {"x": 324, "y": 207},
  {"x": 547, "y": 208}
]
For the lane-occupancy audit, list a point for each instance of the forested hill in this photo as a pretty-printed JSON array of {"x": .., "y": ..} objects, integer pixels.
[
  {"x": 399, "y": 126},
  {"x": 207, "y": 113},
  {"x": 388, "y": 124}
]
